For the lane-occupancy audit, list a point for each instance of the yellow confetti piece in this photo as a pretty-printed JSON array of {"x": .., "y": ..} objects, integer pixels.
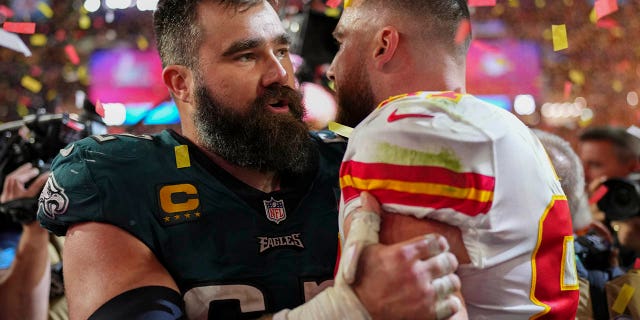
[
  {"x": 340, "y": 129},
  {"x": 332, "y": 12},
  {"x": 22, "y": 110},
  {"x": 142, "y": 43},
  {"x": 559, "y": 34},
  {"x": 577, "y": 77},
  {"x": 31, "y": 84},
  {"x": 592, "y": 16},
  {"x": 624, "y": 296},
  {"x": 568, "y": 3},
  {"x": 45, "y": 9},
  {"x": 84, "y": 22},
  {"x": 347, "y": 3},
  {"x": 497, "y": 10},
  {"x": 82, "y": 73},
  {"x": 182, "y": 156},
  {"x": 540, "y": 4},
  {"x": 51, "y": 94},
  {"x": 617, "y": 86},
  {"x": 514, "y": 3},
  {"x": 38, "y": 40}
]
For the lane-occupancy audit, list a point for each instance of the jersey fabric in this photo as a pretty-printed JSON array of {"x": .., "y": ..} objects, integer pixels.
[
  {"x": 234, "y": 251},
  {"x": 458, "y": 160}
]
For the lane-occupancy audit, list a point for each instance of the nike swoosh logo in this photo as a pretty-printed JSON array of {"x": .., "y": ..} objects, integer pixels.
[{"x": 394, "y": 116}]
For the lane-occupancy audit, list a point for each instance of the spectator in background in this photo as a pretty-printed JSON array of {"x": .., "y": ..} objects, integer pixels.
[
  {"x": 593, "y": 300},
  {"x": 26, "y": 287},
  {"x": 607, "y": 152}
]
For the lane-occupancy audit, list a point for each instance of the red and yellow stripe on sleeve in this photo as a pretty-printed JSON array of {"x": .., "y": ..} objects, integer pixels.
[{"x": 421, "y": 186}]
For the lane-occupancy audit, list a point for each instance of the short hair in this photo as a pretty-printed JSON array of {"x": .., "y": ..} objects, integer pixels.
[
  {"x": 571, "y": 173},
  {"x": 626, "y": 146},
  {"x": 176, "y": 29},
  {"x": 438, "y": 19}
]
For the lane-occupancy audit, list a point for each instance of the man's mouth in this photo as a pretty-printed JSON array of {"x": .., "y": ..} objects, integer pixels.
[{"x": 277, "y": 105}]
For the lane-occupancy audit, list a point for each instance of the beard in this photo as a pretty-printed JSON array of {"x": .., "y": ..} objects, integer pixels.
[
  {"x": 355, "y": 97},
  {"x": 255, "y": 138}
]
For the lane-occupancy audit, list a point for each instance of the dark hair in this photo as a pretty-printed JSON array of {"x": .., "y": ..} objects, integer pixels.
[
  {"x": 438, "y": 19},
  {"x": 178, "y": 35},
  {"x": 627, "y": 146}
]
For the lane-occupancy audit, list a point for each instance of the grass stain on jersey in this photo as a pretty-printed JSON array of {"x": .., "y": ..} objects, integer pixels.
[{"x": 389, "y": 153}]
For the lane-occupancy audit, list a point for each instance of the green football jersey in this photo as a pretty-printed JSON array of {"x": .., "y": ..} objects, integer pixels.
[{"x": 234, "y": 251}]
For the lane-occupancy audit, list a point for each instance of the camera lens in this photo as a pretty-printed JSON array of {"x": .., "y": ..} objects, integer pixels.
[{"x": 622, "y": 200}]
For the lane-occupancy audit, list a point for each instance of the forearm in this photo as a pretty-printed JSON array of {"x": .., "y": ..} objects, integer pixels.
[{"x": 25, "y": 292}]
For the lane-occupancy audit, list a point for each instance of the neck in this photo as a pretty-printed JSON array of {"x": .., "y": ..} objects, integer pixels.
[
  {"x": 263, "y": 181},
  {"x": 438, "y": 73}
]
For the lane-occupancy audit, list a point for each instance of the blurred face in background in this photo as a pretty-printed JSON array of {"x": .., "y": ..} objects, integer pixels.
[{"x": 600, "y": 159}]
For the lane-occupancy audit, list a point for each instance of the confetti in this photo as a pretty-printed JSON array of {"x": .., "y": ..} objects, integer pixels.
[
  {"x": 482, "y": 3},
  {"x": 607, "y": 23},
  {"x": 624, "y": 296},
  {"x": 45, "y": 9},
  {"x": 514, "y": 3},
  {"x": 99, "y": 109},
  {"x": 333, "y": 3},
  {"x": 72, "y": 54},
  {"x": 38, "y": 40},
  {"x": 605, "y": 7},
  {"x": 20, "y": 27},
  {"x": 13, "y": 42},
  {"x": 559, "y": 34},
  {"x": 340, "y": 129},
  {"x": 84, "y": 22},
  {"x": 31, "y": 84},
  {"x": 567, "y": 89},
  {"x": 182, "y": 156},
  {"x": 576, "y": 77},
  {"x": 6, "y": 12},
  {"x": 142, "y": 43},
  {"x": 598, "y": 194},
  {"x": 463, "y": 31}
]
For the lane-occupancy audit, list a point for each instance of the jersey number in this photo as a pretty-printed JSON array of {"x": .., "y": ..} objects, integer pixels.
[
  {"x": 555, "y": 283},
  {"x": 236, "y": 301}
]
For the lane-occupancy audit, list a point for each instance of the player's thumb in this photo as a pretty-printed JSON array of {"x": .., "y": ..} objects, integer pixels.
[
  {"x": 370, "y": 203},
  {"x": 363, "y": 231}
]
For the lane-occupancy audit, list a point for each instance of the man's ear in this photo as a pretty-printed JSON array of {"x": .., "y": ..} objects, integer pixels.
[
  {"x": 385, "y": 45},
  {"x": 178, "y": 80}
]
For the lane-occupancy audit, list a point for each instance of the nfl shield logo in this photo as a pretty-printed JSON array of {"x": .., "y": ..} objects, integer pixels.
[{"x": 275, "y": 210}]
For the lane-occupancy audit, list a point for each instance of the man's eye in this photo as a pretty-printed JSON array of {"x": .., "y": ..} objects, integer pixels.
[
  {"x": 246, "y": 57},
  {"x": 282, "y": 53}
]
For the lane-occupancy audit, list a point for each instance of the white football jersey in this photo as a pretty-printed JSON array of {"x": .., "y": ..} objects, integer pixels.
[{"x": 456, "y": 159}]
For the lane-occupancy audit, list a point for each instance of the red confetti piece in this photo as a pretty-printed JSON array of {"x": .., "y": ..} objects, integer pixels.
[
  {"x": 20, "y": 27},
  {"x": 605, "y": 7},
  {"x": 607, "y": 23},
  {"x": 6, "y": 12},
  {"x": 567, "y": 89},
  {"x": 636, "y": 265},
  {"x": 333, "y": 3},
  {"x": 463, "y": 31},
  {"x": 99, "y": 108},
  {"x": 482, "y": 3},
  {"x": 598, "y": 194},
  {"x": 72, "y": 54}
]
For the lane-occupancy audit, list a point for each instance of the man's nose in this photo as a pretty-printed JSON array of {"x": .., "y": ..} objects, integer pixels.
[{"x": 275, "y": 73}]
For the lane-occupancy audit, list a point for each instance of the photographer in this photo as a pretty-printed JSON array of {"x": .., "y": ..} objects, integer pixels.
[
  {"x": 25, "y": 286},
  {"x": 609, "y": 155}
]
